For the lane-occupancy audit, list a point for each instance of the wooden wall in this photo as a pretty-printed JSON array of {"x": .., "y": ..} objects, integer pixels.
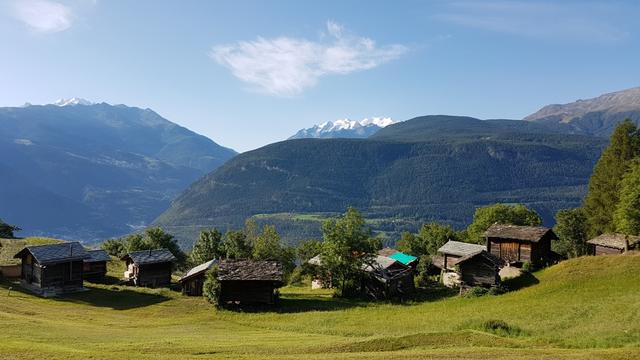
[
  {"x": 479, "y": 271},
  {"x": 154, "y": 275},
  {"x": 603, "y": 250},
  {"x": 95, "y": 270},
  {"x": 247, "y": 292},
  {"x": 193, "y": 286}
]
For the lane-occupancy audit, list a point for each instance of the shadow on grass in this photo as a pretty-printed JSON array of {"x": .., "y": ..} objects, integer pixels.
[
  {"x": 115, "y": 298},
  {"x": 293, "y": 303},
  {"x": 525, "y": 279}
]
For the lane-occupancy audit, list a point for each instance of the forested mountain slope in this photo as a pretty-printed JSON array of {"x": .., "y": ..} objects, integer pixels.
[{"x": 432, "y": 168}]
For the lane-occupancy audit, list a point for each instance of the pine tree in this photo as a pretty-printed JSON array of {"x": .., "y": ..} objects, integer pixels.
[
  {"x": 604, "y": 186},
  {"x": 627, "y": 214}
]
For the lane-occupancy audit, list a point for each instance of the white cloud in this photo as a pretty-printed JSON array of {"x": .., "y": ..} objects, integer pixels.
[
  {"x": 287, "y": 66},
  {"x": 43, "y": 15},
  {"x": 548, "y": 20}
]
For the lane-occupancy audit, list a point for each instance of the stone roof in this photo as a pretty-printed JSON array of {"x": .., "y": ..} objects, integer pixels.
[
  {"x": 492, "y": 258},
  {"x": 250, "y": 270},
  {"x": 56, "y": 253},
  {"x": 615, "y": 241},
  {"x": 526, "y": 233},
  {"x": 97, "y": 256},
  {"x": 199, "y": 269},
  {"x": 145, "y": 257},
  {"x": 459, "y": 248}
]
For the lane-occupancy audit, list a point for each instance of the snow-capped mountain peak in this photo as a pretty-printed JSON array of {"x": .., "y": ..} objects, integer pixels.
[
  {"x": 345, "y": 128},
  {"x": 72, "y": 101}
]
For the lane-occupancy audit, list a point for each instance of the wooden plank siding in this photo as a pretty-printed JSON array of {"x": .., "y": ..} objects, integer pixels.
[{"x": 603, "y": 250}]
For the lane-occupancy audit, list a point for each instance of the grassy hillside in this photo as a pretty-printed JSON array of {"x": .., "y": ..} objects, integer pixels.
[
  {"x": 436, "y": 168},
  {"x": 10, "y": 247},
  {"x": 581, "y": 309}
]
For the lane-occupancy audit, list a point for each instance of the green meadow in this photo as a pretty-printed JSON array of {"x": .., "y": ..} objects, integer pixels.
[{"x": 580, "y": 309}]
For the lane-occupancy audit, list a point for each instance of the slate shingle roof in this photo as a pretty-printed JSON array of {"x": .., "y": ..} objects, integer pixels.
[
  {"x": 526, "y": 233},
  {"x": 56, "y": 253},
  {"x": 198, "y": 269},
  {"x": 98, "y": 255},
  {"x": 244, "y": 270},
  {"x": 615, "y": 241},
  {"x": 459, "y": 248},
  {"x": 145, "y": 257}
]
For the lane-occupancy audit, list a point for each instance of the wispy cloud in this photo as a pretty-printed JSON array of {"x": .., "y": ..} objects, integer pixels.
[
  {"x": 584, "y": 21},
  {"x": 43, "y": 15},
  {"x": 287, "y": 66}
]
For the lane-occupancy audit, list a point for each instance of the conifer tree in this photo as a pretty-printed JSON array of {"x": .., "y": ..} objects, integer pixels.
[
  {"x": 604, "y": 186},
  {"x": 627, "y": 215}
]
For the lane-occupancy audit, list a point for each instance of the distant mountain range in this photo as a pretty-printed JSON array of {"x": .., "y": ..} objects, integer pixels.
[
  {"x": 597, "y": 116},
  {"x": 85, "y": 171},
  {"x": 344, "y": 128}
]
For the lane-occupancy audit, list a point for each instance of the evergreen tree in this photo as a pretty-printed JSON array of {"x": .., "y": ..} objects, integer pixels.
[
  {"x": 604, "y": 186},
  {"x": 208, "y": 247},
  {"x": 500, "y": 214},
  {"x": 571, "y": 228},
  {"x": 627, "y": 214}
]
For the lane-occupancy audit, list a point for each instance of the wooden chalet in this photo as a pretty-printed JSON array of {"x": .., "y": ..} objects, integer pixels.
[
  {"x": 249, "y": 281},
  {"x": 519, "y": 244},
  {"x": 464, "y": 264},
  {"x": 95, "y": 267},
  {"x": 193, "y": 280},
  {"x": 606, "y": 244},
  {"x": 385, "y": 278},
  {"x": 50, "y": 270},
  {"x": 149, "y": 268}
]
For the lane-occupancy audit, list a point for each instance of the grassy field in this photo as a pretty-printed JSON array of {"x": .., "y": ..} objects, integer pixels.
[{"x": 580, "y": 309}]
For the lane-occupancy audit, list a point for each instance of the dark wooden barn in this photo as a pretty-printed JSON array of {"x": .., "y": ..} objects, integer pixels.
[
  {"x": 479, "y": 269},
  {"x": 249, "y": 281},
  {"x": 193, "y": 280},
  {"x": 386, "y": 278},
  {"x": 95, "y": 267},
  {"x": 519, "y": 244},
  {"x": 464, "y": 264},
  {"x": 606, "y": 244},
  {"x": 149, "y": 268},
  {"x": 54, "y": 269},
  {"x": 453, "y": 251}
]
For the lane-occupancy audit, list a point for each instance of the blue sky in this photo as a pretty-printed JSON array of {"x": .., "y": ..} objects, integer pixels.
[{"x": 248, "y": 73}]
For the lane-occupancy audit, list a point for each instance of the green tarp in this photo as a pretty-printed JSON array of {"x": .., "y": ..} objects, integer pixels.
[{"x": 403, "y": 258}]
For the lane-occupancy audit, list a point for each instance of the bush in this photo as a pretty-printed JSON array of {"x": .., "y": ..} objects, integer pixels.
[
  {"x": 476, "y": 291},
  {"x": 526, "y": 266},
  {"x": 500, "y": 327},
  {"x": 297, "y": 276},
  {"x": 211, "y": 287}
]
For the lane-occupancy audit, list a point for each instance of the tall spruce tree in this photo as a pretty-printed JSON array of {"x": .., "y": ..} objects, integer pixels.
[
  {"x": 209, "y": 246},
  {"x": 627, "y": 215},
  {"x": 604, "y": 186}
]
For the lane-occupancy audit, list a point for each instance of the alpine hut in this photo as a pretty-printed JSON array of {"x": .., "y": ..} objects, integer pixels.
[
  {"x": 613, "y": 244},
  {"x": 465, "y": 264},
  {"x": 385, "y": 277},
  {"x": 95, "y": 267},
  {"x": 50, "y": 270},
  {"x": 193, "y": 280},
  {"x": 149, "y": 268},
  {"x": 517, "y": 245},
  {"x": 249, "y": 281}
]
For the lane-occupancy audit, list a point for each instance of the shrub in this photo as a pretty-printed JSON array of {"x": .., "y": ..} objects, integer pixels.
[
  {"x": 500, "y": 327},
  {"x": 476, "y": 291},
  {"x": 211, "y": 287},
  {"x": 526, "y": 266}
]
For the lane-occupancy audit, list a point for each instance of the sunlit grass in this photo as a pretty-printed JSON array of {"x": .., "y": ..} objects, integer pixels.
[{"x": 579, "y": 309}]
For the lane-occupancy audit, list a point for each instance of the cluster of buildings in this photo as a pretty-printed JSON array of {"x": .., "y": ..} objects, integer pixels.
[{"x": 50, "y": 270}]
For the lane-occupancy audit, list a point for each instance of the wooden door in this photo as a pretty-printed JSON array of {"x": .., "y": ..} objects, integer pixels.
[{"x": 509, "y": 251}]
